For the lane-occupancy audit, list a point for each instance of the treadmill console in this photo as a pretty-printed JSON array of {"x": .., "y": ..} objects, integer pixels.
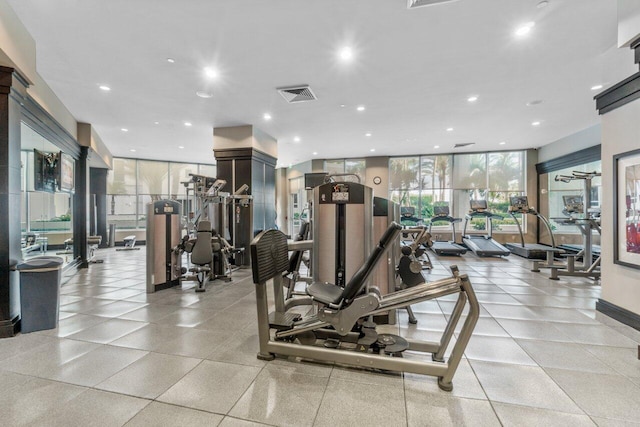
[
  {"x": 518, "y": 204},
  {"x": 478, "y": 205},
  {"x": 573, "y": 204},
  {"x": 441, "y": 210}
]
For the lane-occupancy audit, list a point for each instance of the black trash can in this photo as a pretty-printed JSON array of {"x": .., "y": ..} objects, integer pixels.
[{"x": 40, "y": 292}]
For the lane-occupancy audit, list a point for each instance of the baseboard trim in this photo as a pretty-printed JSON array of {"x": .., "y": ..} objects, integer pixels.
[
  {"x": 620, "y": 314},
  {"x": 9, "y": 328}
]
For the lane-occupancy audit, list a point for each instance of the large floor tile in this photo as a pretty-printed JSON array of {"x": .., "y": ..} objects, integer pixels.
[
  {"x": 150, "y": 336},
  {"x": 95, "y": 366},
  {"x": 607, "y": 396},
  {"x": 348, "y": 399},
  {"x": 116, "y": 308},
  {"x": 94, "y": 408},
  {"x": 374, "y": 378},
  {"x": 48, "y": 357},
  {"x": 522, "y": 385},
  {"x": 194, "y": 343},
  {"x": 465, "y": 384},
  {"x": 609, "y": 422},
  {"x": 149, "y": 376},
  {"x": 237, "y": 422},
  {"x": 211, "y": 386},
  {"x": 242, "y": 348},
  {"x": 596, "y": 335},
  {"x": 533, "y": 329},
  {"x": 162, "y": 415},
  {"x": 497, "y": 349},
  {"x": 108, "y": 331},
  {"x": 523, "y": 416},
  {"x": 74, "y": 324},
  {"x": 13, "y": 346},
  {"x": 25, "y": 399},
  {"x": 623, "y": 360},
  {"x": 150, "y": 313},
  {"x": 281, "y": 397},
  {"x": 564, "y": 356},
  {"x": 439, "y": 410}
]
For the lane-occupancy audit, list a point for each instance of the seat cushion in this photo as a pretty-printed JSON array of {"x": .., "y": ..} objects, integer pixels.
[{"x": 326, "y": 293}]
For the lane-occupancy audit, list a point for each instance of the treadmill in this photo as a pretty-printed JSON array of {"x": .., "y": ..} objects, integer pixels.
[
  {"x": 482, "y": 245},
  {"x": 444, "y": 247},
  {"x": 520, "y": 205}
]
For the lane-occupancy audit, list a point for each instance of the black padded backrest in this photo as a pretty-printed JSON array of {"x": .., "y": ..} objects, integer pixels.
[
  {"x": 269, "y": 255},
  {"x": 296, "y": 256},
  {"x": 358, "y": 280},
  {"x": 202, "y": 253}
]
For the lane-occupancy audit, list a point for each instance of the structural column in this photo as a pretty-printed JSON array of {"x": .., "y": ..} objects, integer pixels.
[
  {"x": 98, "y": 189},
  {"x": 81, "y": 208},
  {"x": 12, "y": 92},
  {"x": 245, "y": 155}
]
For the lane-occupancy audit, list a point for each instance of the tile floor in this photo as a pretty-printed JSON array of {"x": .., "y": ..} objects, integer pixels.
[{"x": 540, "y": 355}]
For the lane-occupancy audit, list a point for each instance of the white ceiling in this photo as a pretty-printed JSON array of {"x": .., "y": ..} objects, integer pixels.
[{"x": 412, "y": 69}]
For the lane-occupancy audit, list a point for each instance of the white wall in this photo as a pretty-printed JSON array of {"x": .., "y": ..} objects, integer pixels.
[
  {"x": 620, "y": 133},
  {"x": 570, "y": 144}
]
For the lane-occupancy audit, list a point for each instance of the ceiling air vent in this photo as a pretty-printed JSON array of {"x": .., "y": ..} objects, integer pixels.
[
  {"x": 297, "y": 94},
  {"x": 412, "y": 4},
  {"x": 465, "y": 144}
]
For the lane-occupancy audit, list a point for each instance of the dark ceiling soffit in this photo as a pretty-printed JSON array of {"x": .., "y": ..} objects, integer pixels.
[
  {"x": 244, "y": 153},
  {"x": 622, "y": 93},
  {"x": 587, "y": 155}
]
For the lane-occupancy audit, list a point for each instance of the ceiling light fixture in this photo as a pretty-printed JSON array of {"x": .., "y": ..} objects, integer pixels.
[
  {"x": 171, "y": 60},
  {"x": 342, "y": 105},
  {"x": 266, "y": 116},
  {"x": 360, "y": 108},
  {"x": 156, "y": 123},
  {"x": 203, "y": 94},
  {"x": 296, "y": 139},
  {"x": 436, "y": 146},
  {"x": 187, "y": 124},
  {"x": 372, "y": 150},
  {"x": 104, "y": 88},
  {"x": 449, "y": 129},
  {"x": 524, "y": 29},
  {"x": 502, "y": 143},
  {"x": 346, "y": 54},
  {"x": 124, "y": 130},
  {"x": 315, "y": 153},
  {"x": 596, "y": 87},
  {"x": 473, "y": 98},
  {"x": 181, "y": 146},
  {"x": 210, "y": 73},
  {"x": 133, "y": 150},
  {"x": 367, "y": 134},
  {"x": 535, "y": 123}
]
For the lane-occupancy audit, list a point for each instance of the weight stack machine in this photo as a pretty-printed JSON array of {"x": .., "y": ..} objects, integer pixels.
[{"x": 163, "y": 234}]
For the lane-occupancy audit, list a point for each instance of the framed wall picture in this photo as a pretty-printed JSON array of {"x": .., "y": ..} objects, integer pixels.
[
  {"x": 67, "y": 182},
  {"x": 626, "y": 232}
]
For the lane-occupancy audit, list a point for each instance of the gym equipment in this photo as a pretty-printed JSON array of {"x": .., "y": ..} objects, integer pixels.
[
  {"x": 410, "y": 267},
  {"x": 129, "y": 244},
  {"x": 586, "y": 220},
  {"x": 164, "y": 264},
  {"x": 520, "y": 205},
  {"x": 482, "y": 245},
  {"x": 201, "y": 255},
  {"x": 342, "y": 227},
  {"x": 292, "y": 275},
  {"x": 444, "y": 247},
  {"x": 338, "y": 331},
  {"x": 408, "y": 214}
]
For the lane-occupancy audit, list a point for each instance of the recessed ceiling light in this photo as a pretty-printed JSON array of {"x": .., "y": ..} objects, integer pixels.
[
  {"x": 315, "y": 153},
  {"x": 473, "y": 98},
  {"x": 124, "y": 130},
  {"x": 524, "y": 29},
  {"x": 203, "y": 94},
  {"x": 104, "y": 88},
  {"x": 449, "y": 129},
  {"x": 346, "y": 53},
  {"x": 543, "y": 3},
  {"x": 156, "y": 123},
  {"x": 171, "y": 60},
  {"x": 436, "y": 146},
  {"x": 360, "y": 108},
  {"x": 372, "y": 150},
  {"x": 342, "y": 105},
  {"x": 210, "y": 73},
  {"x": 133, "y": 150},
  {"x": 596, "y": 87},
  {"x": 367, "y": 134},
  {"x": 535, "y": 123},
  {"x": 266, "y": 116},
  {"x": 181, "y": 146},
  {"x": 296, "y": 139},
  {"x": 502, "y": 143},
  {"x": 187, "y": 124}
]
